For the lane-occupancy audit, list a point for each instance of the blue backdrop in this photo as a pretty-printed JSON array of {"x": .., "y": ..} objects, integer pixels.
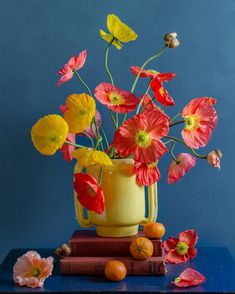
[{"x": 37, "y": 37}]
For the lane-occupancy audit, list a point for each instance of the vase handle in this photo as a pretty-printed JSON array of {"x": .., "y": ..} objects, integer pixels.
[
  {"x": 79, "y": 209},
  {"x": 152, "y": 205}
]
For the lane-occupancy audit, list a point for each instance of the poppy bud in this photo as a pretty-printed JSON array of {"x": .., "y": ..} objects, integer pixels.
[
  {"x": 171, "y": 40},
  {"x": 214, "y": 158},
  {"x": 63, "y": 250}
]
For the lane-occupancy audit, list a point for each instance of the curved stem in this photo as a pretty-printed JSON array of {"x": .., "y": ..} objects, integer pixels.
[
  {"x": 88, "y": 136},
  {"x": 75, "y": 145},
  {"x": 144, "y": 64},
  {"x": 174, "y": 117},
  {"x": 171, "y": 151},
  {"x": 105, "y": 137},
  {"x": 177, "y": 123},
  {"x": 106, "y": 61},
  {"x": 191, "y": 149},
  {"x": 111, "y": 115},
  {"x": 81, "y": 80},
  {"x": 116, "y": 118},
  {"x": 142, "y": 99}
]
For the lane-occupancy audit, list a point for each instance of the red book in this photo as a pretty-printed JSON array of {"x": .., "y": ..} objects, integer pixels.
[
  {"x": 154, "y": 266},
  {"x": 87, "y": 243}
]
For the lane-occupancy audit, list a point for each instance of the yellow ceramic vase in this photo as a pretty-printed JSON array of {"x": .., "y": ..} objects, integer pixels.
[{"x": 124, "y": 201}]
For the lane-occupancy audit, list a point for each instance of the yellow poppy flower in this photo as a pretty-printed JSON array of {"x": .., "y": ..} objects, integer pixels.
[
  {"x": 79, "y": 113},
  {"x": 86, "y": 157},
  {"x": 119, "y": 31},
  {"x": 49, "y": 134}
]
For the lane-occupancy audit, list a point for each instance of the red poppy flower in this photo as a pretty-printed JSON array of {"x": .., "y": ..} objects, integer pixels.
[
  {"x": 150, "y": 73},
  {"x": 200, "y": 120},
  {"x": 160, "y": 93},
  {"x": 115, "y": 98},
  {"x": 189, "y": 277},
  {"x": 74, "y": 63},
  {"x": 89, "y": 193},
  {"x": 146, "y": 174},
  {"x": 181, "y": 249},
  {"x": 67, "y": 149},
  {"x": 178, "y": 169},
  {"x": 147, "y": 102},
  {"x": 141, "y": 135}
]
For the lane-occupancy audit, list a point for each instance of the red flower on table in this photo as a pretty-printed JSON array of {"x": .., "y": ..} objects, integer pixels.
[
  {"x": 188, "y": 278},
  {"x": 89, "y": 193},
  {"x": 181, "y": 249},
  {"x": 115, "y": 98}
]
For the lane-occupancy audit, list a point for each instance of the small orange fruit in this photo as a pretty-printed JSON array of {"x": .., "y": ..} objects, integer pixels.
[
  {"x": 141, "y": 248},
  {"x": 154, "y": 230},
  {"x": 115, "y": 270}
]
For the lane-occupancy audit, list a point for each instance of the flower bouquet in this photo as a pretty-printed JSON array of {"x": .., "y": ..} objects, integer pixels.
[{"x": 129, "y": 161}]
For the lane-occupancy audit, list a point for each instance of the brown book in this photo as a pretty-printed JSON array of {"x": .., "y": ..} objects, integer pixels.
[
  {"x": 154, "y": 266},
  {"x": 87, "y": 243}
]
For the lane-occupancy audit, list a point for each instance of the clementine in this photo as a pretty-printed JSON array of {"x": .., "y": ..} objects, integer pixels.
[
  {"x": 141, "y": 248},
  {"x": 154, "y": 230},
  {"x": 115, "y": 270}
]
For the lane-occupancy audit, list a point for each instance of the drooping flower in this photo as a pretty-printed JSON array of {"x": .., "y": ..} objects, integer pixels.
[
  {"x": 181, "y": 249},
  {"x": 141, "y": 136},
  {"x": 188, "y": 278},
  {"x": 161, "y": 93},
  {"x": 49, "y": 134},
  {"x": 89, "y": 193},
  {"x": 91, "y": 130},
  {"x": 31, "y": 270},
  {"x": 68, "y": 149},
  {"x": 171, "y": 40},
  {"x": 115, "y": 98},
  {"x": 200, "y": 120},
  {"x": 86, "y": 157},
  {"x": 178, "y": 169},
  {"x": 74, "y": 63},
  {"x": 80, "y": 109},
  {"x": 214, "y": 158},
  {"x": 150, "y": 73},
  {"x": 146, "y": 174},
  {"x": 119, "y": 32}
]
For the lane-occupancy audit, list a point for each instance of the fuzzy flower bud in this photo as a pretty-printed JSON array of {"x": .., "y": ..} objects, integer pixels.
[
  {"x": 171, "y": 40},
  {"x": 63, "y": 250},
  {"x": 214, "y": 158}
]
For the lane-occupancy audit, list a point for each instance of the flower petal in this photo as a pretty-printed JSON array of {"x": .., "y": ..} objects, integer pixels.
[
  {"x": 170, "y": 243},
  {"x": 190, "y": 237},
  {"x": 189, "y": 277},
  {"x": 174, "y": 257}
]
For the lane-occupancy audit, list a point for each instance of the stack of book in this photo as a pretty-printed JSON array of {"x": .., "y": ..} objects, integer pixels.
[{"x": 90, "y": 253}]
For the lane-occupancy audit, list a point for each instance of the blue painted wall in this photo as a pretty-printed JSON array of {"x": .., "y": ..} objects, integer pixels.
[{"x": 37, "y": 37}]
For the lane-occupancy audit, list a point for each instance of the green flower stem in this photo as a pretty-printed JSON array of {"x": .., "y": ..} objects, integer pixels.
[
  {"x": 144, "y": 64},
  {"x": 174, "y": 117},
  {"x": 81, "y": 80},
  {"x": 177, "y": 123},
  {"x": 172, "y": 153},
  {"x": 191, "y": 149},
  {"x": 114, "y": 121},
  {"x": 106, "y": 61},
  {"x": 116, "y": 118},
  {"x": 88, "y": 136},
  {"x": 142, "y": 99},
  {"x": 75, "y": 145},
  {"x": 105, "y": 137},
  {"x": 98, "y": 137},
  {"x": 124, "y": 118},
  {"x": 149, "y": 102}
]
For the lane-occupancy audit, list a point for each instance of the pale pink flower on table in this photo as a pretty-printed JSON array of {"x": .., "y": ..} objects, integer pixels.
[
  {"x": 188, "y": 278},
  {"x": 31, "y": 270},
  {"x": 74, "y": 63},
  {"x": 214, "y": 158},
  {"x": 178, "y": 169}
]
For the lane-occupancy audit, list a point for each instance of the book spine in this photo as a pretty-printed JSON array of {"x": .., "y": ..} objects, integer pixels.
[
  {"x": 96, "y": 265},
  {"x": 89, "y": 249}
]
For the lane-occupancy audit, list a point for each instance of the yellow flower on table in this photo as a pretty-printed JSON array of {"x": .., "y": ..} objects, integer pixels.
[
  {"x": 80, "y": 109},
  {"x": 86, "y": 157},
  {"x": 119, "y": 32},
  {"x": 49, "y": 134}
]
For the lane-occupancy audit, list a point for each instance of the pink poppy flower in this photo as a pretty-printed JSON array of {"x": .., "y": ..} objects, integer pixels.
[
  {"x": 74, "y": 63},
  {"x": 200, "y": 120},
  {"x": 150, "y": 73},
  {"x": 146, "y": 174},
  {"x": 181, "y": 249},
  {"x": 141, "y": 135},
  {"x": 31, "y": 270},
  {"x": 91, "y": 130},
  {"x": 67, "y": 149},
  {"x": 178, "y": 169},
  {"x": 89, "y": 193},
  {"x": 160, "y": 93},
  {"x": 115, "y": 98},
  {"x": 188, "y": 278},
  {"x": 214, "y": 158}
]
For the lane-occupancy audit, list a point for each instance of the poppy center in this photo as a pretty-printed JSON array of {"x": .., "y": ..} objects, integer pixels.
[
  {"x": 182, "y": 248},
  {"x": 152, "y": 165},
  {"x": 83, "y": 112},
  {"x": 91, "y": 191},
  {"x": 143, "y": 139},
  {"x": 35, "y": 272},
  {"x": 116, "y": 99},
  {"x": 191, "y": 122},
  {"x": 177, "y": 280},
  {"x": 53, "y": 138},
  {"x": 152, "y": 71},
  {"x": 161, "y": 91}
]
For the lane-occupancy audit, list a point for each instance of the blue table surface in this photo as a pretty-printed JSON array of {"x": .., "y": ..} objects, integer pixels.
[{"x": 215, "y": 263}]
